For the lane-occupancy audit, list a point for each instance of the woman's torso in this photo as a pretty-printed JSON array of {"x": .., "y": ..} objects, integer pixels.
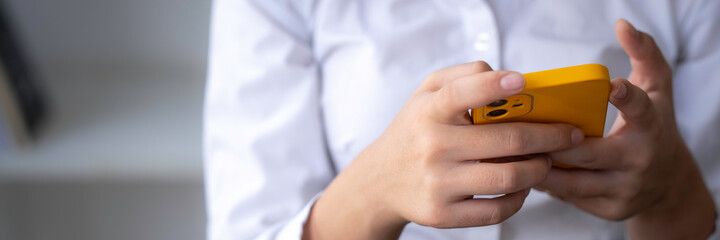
[{"x": 374, "y": 54}]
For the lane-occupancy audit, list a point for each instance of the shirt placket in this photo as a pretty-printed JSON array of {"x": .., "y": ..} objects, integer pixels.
[{"x": 481, "y": 31}]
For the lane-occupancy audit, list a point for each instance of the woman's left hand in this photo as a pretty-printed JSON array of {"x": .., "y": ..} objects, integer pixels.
[{"x": 642, "y": 171}]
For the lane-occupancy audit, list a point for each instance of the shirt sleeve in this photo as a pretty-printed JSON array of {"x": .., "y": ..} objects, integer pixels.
[
  {"x": 265, "y": 150},
  {"x": 697, "y": 88}
]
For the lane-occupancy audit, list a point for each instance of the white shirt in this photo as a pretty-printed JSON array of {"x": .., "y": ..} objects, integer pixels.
[{"x": 297, "y": 88}]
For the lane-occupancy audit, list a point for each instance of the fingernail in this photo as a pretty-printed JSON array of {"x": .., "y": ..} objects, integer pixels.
[
  {"x": 512, "y": 81},
  {"x": 577, "y": 136},
  {"x": 620, "y": 91}
]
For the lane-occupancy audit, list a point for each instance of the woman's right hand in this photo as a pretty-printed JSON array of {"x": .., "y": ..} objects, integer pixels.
[{"x": 428, "y": 164}]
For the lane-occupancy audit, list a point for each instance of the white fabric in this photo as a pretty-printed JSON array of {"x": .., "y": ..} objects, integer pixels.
[{"x": 297, "y": 88}]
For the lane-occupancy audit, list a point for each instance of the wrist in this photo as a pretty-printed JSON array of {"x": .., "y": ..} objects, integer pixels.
[
  {"x": 349, "y": 209},
  {"x": 686, "y": 211}
]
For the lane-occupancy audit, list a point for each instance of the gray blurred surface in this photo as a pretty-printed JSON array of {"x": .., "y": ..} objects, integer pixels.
[
  {"x": 108, "y": 211},
  {"x": 124, "y": 80},
  {"x": 120, "y": 156},
  {"x": 126, "y": 34}
]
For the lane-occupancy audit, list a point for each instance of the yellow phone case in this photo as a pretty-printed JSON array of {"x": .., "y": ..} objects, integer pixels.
[{"x": 576, "y": 95}]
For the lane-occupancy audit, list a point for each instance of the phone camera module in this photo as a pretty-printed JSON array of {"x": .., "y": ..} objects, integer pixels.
[
  {"x": 497, "y": 113},
  {"x": 498, "y": 103}
]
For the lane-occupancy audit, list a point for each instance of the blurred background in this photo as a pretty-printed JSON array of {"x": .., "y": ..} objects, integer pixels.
[{"x": 118, "y": 153}]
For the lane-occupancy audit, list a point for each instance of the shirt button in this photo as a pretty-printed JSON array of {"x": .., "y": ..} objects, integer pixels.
[{"x": 482, "y": 42}]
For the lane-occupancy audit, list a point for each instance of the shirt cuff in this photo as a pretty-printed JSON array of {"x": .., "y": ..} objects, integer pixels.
[{"x": 293, "y": 230}]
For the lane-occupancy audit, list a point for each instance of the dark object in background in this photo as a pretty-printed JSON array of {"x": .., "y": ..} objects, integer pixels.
[{"x": 23, "y": 107}]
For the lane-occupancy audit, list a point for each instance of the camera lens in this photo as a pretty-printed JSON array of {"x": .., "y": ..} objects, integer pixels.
[
  {"x": 498, "y": 103},
  {"x": 495, "y": 113}
]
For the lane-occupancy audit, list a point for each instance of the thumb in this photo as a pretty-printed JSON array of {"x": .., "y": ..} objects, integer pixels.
[{"x": 650, "y": 71}]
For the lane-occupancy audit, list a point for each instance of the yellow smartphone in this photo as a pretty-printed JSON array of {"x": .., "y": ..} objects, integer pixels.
[{"x": 576, "y": 95}]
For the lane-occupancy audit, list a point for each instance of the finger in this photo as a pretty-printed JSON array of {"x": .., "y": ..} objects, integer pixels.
[
  {"x": 650, "y": 70},
  {"x": 484, "y": 178},
  {"x": 440, "y": 78},
  {"x": 593, "y": 153},
  {"x": 454, "y": 99},
  {"x": 578, "y": 183},
  {"x": 634, "y": 104},
  {"x": 604, "y": 207},
  {"x": 510, "y": 139},
  {"x": 483, "y": 212}
]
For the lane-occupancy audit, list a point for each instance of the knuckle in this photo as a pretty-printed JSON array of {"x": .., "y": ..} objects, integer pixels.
[
  {"x": 436, "y": 106},
  {"x": 481, "y": 66},
  {"x": 642, "y": 164},
  {"x": 650, "y": 40},
  {"x": 628, "y": 192},
  {"x": 560, "y": 137},
  {"x": 632, "y": 93},
  {"x": 641, "y": 160},
  {"x": 436, "y": 76},
  {"x": 489, "y": 86},
  {"x": 589, "y": 162},
  {"x": 517, "y": 140},
  {"x": 434, "y": 185},
  {"x": 435, "y": 215},
  {"x": 643, "y": 114},
  {"x": 650, "y": 46},
  {"x": 496, "y": 216},
  {"x": 653, "y": 47},
  {"x": 435, "y": 81},
  {"x": 573, "y": 190},
  {"x": 539, "y": 178},
  {"x": 449, "y": 95},
  {"x": 505, "y": 179},
  {"x": 645, "y": 104},
  {"x": 495, "y": 77},
  {"x": 617, "y": 212},
  {"x": 431, "y": 146},
  {"x": 593, "y": 161}
]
